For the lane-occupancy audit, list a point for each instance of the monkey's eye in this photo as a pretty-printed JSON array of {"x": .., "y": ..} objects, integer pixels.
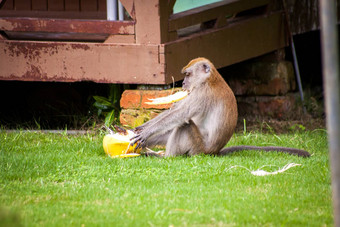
[{"x": 187, "y": 73}]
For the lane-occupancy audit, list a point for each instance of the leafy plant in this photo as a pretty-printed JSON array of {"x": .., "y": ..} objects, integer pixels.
[
  {"x": 297, "y": 127},
  {"x": 109, "y": 107},
  {"x": 244, "y": 126}
]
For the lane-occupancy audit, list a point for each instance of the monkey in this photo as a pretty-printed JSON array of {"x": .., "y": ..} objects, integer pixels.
[{"x": 201, "y": 123}]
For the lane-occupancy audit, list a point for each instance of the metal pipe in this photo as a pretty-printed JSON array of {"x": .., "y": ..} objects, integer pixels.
[
  {"x": 296, "y": 64},
  {"x": 330, "y": 63},
  {"x": 297, "y": 73},
  {"x": 120, "y": 11},
  {"x": 111, "y": 9}
]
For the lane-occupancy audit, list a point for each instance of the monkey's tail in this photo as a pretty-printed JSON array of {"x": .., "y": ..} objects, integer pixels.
[{"x": 293, "y": 151}]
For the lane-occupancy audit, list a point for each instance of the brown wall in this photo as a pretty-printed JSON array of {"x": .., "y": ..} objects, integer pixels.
[{"x": 303, "y": 14}]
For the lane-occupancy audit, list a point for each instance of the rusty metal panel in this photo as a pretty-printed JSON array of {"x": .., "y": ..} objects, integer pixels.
[
  {"x": 226, "y": 46},
  {"x": 61, "y": 61}
]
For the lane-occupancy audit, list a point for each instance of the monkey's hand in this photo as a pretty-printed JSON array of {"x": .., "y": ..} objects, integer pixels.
[
  {"x": 139, "y": 139},
  {"x": 138, "y": 129}
]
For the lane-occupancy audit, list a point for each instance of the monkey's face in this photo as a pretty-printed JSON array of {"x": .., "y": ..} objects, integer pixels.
[{"x": 195, "y": 74}]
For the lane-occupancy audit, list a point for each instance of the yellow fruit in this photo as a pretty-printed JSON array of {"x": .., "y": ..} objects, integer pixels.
[
  {"x": 169, "y": 99},
  {"x": 115, "y": 145}
]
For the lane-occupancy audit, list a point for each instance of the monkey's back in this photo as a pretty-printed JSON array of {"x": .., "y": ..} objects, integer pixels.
[{"x": 222, "y": 119}]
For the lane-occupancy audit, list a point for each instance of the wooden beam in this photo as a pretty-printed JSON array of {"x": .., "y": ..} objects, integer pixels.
[
  {"x": 210, "y": 12},
  {"x": 68, "y": 62},
  {"x": 152, "y": 20},
  {"x": 49, "y": 36},
  {"x": 22, "y": 5},
  {"x": 69, "y": 14},
  {"x": 55, "y": 5},
  {"x": 148, "y": 14},
  {"x": 66, "y": 25},
  {"x": 88, "y": 5},
  {"x": 225, "y": 46},
  {"x": 39, "y": 5},
  {"x": 120, "y": 39},
  {"x": 72, "y": 5}
]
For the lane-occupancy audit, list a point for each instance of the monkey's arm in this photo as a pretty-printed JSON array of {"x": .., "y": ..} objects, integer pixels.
[
  {"x": 155, "y": 120},
  {"x": 182, "y": 105},
  {"x": 158, "y": 119},
  {"x": 163, "y": 123}
]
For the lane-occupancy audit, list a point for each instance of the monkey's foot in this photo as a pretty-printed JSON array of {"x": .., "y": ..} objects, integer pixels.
[{"x": 151, "y": 153}]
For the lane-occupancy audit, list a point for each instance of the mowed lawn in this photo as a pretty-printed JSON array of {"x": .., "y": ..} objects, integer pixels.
[{"x": 63, "y": 180}]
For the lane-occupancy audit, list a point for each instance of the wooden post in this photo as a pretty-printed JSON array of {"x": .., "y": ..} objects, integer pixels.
[{"x": 151, "y": 18}]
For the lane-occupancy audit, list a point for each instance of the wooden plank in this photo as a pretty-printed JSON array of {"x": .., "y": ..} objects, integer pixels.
[
  {"x": 148, "y": 26},
  {"x": 49, "y": 36},
  {"x": 88, "y": 5},
  {"x": 72, "y": 5},
  {"x": 152, "y": 20},
  {"x": 226, "y": 46},
  {"x": 102, "y": 5},
  {"x": 60, "y": 25},
  {"x": 55, "y": 5},
  {"x": 120, "y": 39},
  {"x": 60, "y": 61},
  {"x": 39, "y": 4},
  {"x": 22, "y": 5},
  {"x": 210, "y": 12},
  {"x": 54, "y": 14}
]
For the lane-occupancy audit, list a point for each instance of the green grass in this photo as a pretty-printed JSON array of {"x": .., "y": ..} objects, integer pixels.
[{"x": 62, "y": 180}]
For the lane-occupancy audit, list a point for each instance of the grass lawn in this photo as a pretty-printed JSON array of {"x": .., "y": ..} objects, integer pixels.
[{"x": 62, "y": 180}]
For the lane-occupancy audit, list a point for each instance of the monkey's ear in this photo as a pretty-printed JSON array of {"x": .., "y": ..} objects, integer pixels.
[{"x": 206, "y": 67}]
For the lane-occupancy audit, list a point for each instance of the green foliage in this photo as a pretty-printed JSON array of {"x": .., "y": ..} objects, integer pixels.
[
  {"x": 63, "y": 180},
  {"x": 109, "y": 107},
  {"x": 244, "y": 126},
  {"x": 297, "y": 127}
]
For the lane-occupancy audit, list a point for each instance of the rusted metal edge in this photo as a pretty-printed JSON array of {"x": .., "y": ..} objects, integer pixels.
[{"x": 66, "y": 26}]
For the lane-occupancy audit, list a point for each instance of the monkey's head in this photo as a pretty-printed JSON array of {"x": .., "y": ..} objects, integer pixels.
[{"x": 196, "y": 73}]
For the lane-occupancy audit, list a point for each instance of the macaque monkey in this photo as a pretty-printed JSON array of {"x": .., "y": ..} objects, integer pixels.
[{"x": 203, "y": 122}]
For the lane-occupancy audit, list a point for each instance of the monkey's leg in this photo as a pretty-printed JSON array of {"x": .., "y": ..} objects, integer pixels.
[
  {"x": 156, "y": 140},
  {"x": 185, "y": 139}
]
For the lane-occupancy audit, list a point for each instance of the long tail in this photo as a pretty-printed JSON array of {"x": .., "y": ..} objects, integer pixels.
[{"x": 293, "y": 151}]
